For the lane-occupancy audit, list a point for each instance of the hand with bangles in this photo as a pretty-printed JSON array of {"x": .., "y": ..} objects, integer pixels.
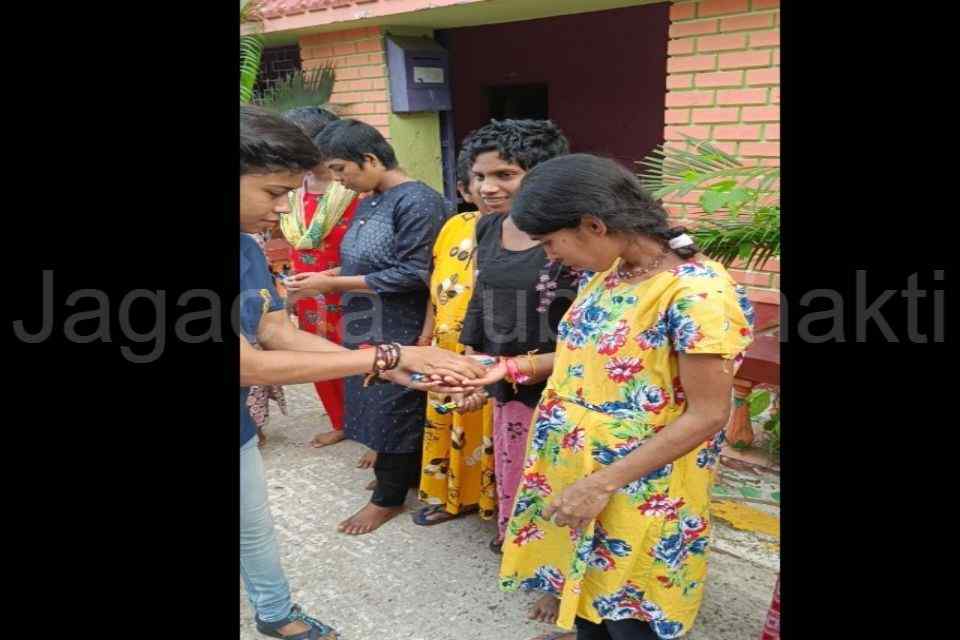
[{"x": 430, "y": 368}]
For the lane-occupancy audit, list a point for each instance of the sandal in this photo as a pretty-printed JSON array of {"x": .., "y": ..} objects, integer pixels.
[
  {"x": 425, "y": 517},
  {"x": 496, "y": 546},
  {"x": 317, "y": 630}
]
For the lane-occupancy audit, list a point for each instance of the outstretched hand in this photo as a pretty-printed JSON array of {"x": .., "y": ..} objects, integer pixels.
[{"x": 441, "y": 366}]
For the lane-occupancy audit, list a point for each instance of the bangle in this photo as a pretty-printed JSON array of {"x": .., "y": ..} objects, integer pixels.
[
  {"x": 533, "y": 364},
  {"x": 386, "y": 358}
]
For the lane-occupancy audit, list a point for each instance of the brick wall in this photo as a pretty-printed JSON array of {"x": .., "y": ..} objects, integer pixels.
[
  {"x": 723, "y": 82},
  {"x": 358, "y": 55}
]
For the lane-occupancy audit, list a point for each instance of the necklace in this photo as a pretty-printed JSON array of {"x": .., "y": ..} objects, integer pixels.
[{"x": 626, "y": 274}]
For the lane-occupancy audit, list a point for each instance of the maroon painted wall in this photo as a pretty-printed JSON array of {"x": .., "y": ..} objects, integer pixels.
[{"x": 606, "y": 73}]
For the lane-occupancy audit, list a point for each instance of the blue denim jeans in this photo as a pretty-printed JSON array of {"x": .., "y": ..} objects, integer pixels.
[{"x": 260, "y": 568}]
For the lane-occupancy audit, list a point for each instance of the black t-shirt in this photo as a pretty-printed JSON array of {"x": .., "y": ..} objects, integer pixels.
[{"x": 506, "y": 314}]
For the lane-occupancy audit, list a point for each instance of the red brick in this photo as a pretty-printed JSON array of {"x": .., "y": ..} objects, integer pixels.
[
  {"x": 357, "y": 85},
  {"x": 765, "y": 4},
  {"x": 373, "y": 71},
  {"x": 690, "y": 99},
  {"x": 726, "y": 146},
  {"x": 700, "y": 27},
  {"x": 765, "y": 39},
  {"x": 772, "y": 132},
  {"x": 754, "y": 278},
  {"x": 766, "y": 296},
  {"x": 775, "y": 95},
  {"x": 348, "y": 73},
  {"x": 714, "y": 115},
  {"x": 368, "y": 46},
  {"x": 761, "y": 114},
  {"x": 310, "y": 53},
  {"x": 382, "y": 107},
  {"x": 376, "y": 58},
  {"x": 375, "y": 119},
  {"x": 750, "y": 21},
  {"x": 691, "y": 63},
  {"x": 744, "y": 59},
  {"x": 772, "y": 265},
  {"x": 737, "y": 132},
  {"x": 683, "y": 11},
  {"x": 379, "y": 83},
  {"x": 677, "y": 133},
  {"x": 344, "y": 48},
  {"x": 681, "y": 47},
  {"x": 677, "y": 116},
  {"x": 719, "y": 7},
  {"x": 359, "y": 107},
  {"x": 680, "y": 81},
  {"x": 742, "y": 96},
  {"x": 764, "y": 149},
  {"x": 776, "y": 56},
  {"x": 720, "y": 79},
  {"x": 722, "y": 42},
  {"x": 353, "y": 61},
  {"x": 759, "y": 77}
]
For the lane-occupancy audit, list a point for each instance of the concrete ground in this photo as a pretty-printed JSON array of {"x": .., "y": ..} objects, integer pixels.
[{"x": 406, "y": 582}]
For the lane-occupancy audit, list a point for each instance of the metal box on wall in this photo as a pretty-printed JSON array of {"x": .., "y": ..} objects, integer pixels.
[{"x": 419, "y": 75}]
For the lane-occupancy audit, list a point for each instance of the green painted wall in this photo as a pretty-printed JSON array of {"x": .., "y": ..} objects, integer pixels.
[
  {"x": 416, "y": 136},
  {"x": 416, "y": 139}
]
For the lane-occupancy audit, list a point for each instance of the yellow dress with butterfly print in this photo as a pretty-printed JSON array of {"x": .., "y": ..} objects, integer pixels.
[{"x": 457, "y": 449}]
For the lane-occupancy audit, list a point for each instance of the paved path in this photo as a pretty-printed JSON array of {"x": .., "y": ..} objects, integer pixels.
[{"x": 406, "y": 582}]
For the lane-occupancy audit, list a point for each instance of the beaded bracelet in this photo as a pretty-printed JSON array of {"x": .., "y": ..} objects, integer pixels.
[{"x": 514, "y": 375}]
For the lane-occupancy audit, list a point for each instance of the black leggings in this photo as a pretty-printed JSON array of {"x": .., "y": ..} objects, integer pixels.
[
  {"x": 614, "y": 630},
  {"x": 396, "y": 473}
]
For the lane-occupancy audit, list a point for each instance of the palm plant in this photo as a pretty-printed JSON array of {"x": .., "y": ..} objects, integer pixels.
[
  {"x": 300, "y": 89},
  {"x": 251, "y": 49},
  {"x": 748, "y": 196}
]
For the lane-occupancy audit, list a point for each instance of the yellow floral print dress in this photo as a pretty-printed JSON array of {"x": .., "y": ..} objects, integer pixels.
[
  {"x": 615, "y": 384},
  {"x": 457, "y": 449}
]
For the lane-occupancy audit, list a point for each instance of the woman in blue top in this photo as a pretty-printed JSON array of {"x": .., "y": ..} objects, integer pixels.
[{"x": 385, "y": 262}]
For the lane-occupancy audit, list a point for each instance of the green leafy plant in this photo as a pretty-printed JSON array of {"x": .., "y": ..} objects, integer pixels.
[
  {"x": 760, "y": 402},
  {"x": 300, "y": 89},
  {"x": 740, "y": 205},
  {"x": 251, "y": 48}
]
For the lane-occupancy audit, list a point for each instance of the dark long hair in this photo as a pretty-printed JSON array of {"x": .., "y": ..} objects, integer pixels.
[
  {"x": 556, "y": 195},
  {"x": 269, "y": 143}
]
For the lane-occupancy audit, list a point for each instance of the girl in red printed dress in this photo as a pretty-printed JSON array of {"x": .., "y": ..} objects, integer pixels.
[{"x": 320, "y": 214}]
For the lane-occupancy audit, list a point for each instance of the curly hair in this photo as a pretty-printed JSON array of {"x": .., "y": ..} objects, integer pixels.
[{"x": 525, "y": 143}]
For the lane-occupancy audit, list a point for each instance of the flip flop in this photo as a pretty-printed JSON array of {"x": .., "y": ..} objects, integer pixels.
[{"x": 423, "y": 516}]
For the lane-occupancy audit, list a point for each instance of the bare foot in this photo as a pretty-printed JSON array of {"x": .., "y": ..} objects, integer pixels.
[
  {"x": 327, "y": 438},
  {"x": 371, "y": 485},
  {"x": 367, "y": 460},
  {"x": 545, "y": 610},
  {"x": 368, "y": 519}
]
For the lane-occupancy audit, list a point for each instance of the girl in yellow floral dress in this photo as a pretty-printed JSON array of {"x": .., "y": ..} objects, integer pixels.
[
  {"x": 457, "y": 470},
  {"x": 612, "y": 516}
]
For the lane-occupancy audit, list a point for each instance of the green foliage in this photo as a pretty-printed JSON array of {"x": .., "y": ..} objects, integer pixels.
[
  {"x": 740, "y": 204},
  {"x": 300, "y": 89},
  {"x": 251, "y": 49}
]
